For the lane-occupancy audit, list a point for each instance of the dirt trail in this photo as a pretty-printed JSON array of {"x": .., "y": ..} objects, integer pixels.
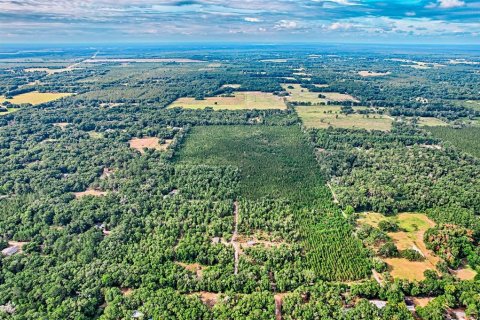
[
  {"x": 278, "y": 305},
  {"x": 335, "y": 200},
  {"x": 235, "y": 244}
]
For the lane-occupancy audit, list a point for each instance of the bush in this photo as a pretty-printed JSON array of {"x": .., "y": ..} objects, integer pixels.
[
  {"x": 388, "y": 250},
  {"x": 412, "y": 255},
  {"x": 388, "y": 226}
]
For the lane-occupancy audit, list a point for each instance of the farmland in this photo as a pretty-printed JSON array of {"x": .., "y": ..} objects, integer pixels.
[
  {"x": 238, "y": 101},
  {"x": 330, "y": 116},
  {"x": 34, "y": 98}
]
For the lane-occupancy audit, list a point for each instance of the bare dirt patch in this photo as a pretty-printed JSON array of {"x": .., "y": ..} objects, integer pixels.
[
  {"x": 208, "y": 298},
  {"x": 192, "y": 267},
  {"x": 141, "y": 144},
  {"x": 421, "y": 302},
  {"x": 404, "y": 269},
  {"x": 89, "y": 192},
  {"x": 465, "y": 273},
  {"x": 365, "y": 73},
  {"x": 126, "y": 291},
  {"x": 61, "y": 125}
]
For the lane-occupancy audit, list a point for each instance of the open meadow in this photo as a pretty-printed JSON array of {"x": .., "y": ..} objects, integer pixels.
[{"x": 239, "y": 101}]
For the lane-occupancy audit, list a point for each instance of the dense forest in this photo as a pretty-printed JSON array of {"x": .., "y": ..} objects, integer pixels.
[{"x": 114, "y": 206}]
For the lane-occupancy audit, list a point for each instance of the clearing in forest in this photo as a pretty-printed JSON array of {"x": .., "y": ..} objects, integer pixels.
[
  {"x": 365, "y": 73},
  {"x": 413, "y": 227},
  {"x": 330, "y": 116},
  {"x": 50, "y": 71},
  {"x": 431, "y": 122},
  {"x": 89, "y": 192},
  {"x": 141, "y": 144},
  {"x": 239, "y": 101},
  {"x": 35, "y": 97},
  {"x": 303, "y": 95}
]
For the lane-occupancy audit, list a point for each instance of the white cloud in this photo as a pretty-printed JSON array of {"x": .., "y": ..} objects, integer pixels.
[
  {"x": 250, "y": 19},
  {"x": 286, "y": 24},
  {"x": 410, "y": 14},
  {"x": 446, "y": 4},
  {"x": 340, "y": 26}
]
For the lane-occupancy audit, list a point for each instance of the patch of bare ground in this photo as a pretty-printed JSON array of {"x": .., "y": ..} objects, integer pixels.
[
  {"x": 89, "y": 192},
  {"x": 141, "y": 144},
  {"x": 421, "y": 302},
  {"x": 61, "y": 125},
  {"x": 278, "y": 305},
  {"x": 126, "y": 291},
  {"x": 464, "y": 273},
  {"x": 365, "y": 73},
  {"x": 234, "y": 243},
  {"x": 192, "y": 267},
  {"x": 107, "y": 172},
  {"x": 13, "y": 248},
  {"x": 208, "y": 298}
]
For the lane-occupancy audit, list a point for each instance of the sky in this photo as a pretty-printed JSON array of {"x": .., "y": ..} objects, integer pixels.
[{"x": 256, "y": 21}]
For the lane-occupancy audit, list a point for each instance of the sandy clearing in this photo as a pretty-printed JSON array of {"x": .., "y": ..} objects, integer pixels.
[
  {"x": 141, "y": 144},
  {"x": 192, "y": 267},
  {"x": 89, "y": 192},
  {"x": 365, "y": 73}
]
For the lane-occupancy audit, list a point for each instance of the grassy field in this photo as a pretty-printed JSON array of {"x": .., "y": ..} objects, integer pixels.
[
  {"x": 273, "y": 161},
  {"x": 241, "y": 100},
  {"x": 431, "y": 122},
  {"x": 326, "y": 116},
  {"x": 472, "y": 104},
  {"x": 413, "y": 227},
  {"x": 35, "y": 97},
  {"x": 465, "y": 139},
  {"x": 299, "y": 94}
]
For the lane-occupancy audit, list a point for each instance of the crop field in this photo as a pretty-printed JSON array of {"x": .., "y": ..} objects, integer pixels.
[
  {"x": 465, "y": 139},
  {"x": 326, "y": 116},
  {"x": 35, "y": 97},
  {"x": 299, "y": 94},
  {"x": 240, "y": 101}
]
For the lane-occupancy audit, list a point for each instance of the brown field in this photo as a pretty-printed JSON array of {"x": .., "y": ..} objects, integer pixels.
[
  {"x": 415, "y": 225},
  {"x": 421, "y": 302},
  {"x": 89, "y": 192},
  {"x": 326, "y": 116},
  {"x": 365, "y": 73},
  {"x": 141, "y": 144},
  {"x": 50, "y": 71},
  {"x": 465, "y": 273},
  {"x": 240, "y": 100},
  {"x": 35, "y": 97},
  {"x": 404, "y": 269}
]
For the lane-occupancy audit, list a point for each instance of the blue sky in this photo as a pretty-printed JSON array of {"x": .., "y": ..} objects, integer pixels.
[{"x": 397, "y": 21}]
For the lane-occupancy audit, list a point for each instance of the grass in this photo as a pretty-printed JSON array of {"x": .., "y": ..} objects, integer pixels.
[
  {"x": 240, "y": 100},
  {"x": 9, "y": 110},
  {"x": 431, "y": 122},
  {"x": 326, "y": 116},
  {"x": 413, "y": 226},
  {"x": 35, "y": 97},
  {"x": 299, "y": 94},
  {"x": 273, "y": 161},
  {"x": 465, "y": 139}
]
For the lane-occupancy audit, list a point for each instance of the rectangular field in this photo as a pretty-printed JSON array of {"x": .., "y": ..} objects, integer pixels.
[
  {"x": 326, "y": 116},
  {"x": 240, "y": 101},
  {"x": 35, "y": 97},
  {"x": 299, "y": 94}
]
